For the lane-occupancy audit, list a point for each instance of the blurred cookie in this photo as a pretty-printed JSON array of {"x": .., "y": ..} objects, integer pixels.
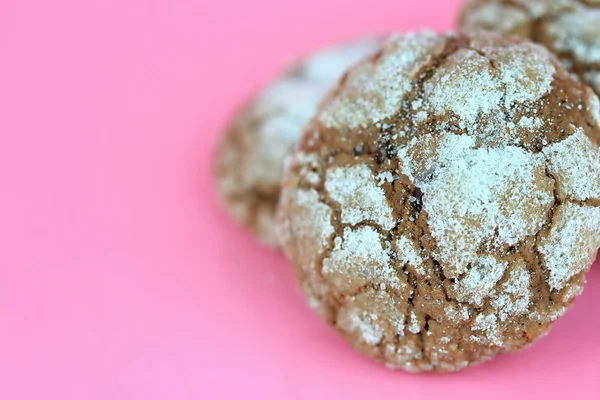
[{"x": 249, "y": 164}]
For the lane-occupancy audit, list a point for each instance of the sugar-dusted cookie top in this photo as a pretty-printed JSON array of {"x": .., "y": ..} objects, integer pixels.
[{"x": 444, "y": 204}]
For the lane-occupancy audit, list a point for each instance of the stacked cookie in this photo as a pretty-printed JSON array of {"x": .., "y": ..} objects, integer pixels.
[{"x": 440, "y": 203}]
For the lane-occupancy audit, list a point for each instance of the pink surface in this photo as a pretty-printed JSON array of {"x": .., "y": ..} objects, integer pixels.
[{"x": 120, "y": 276}]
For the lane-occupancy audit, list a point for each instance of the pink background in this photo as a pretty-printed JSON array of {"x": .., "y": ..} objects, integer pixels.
[{"x": 120, "y": 276}]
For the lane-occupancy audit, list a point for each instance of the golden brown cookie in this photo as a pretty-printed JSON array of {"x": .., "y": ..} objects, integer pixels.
[
  {"x": 570, "y": 28},
  {"x": 249, "y": 163},
  {"x": 444, "y": 204}
]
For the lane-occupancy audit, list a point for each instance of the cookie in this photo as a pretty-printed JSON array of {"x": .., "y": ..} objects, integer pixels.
[
  {"x": 569, "y": 28},
  {"x": 443, "y": 206},
  {"x": 249, "y": 162}
]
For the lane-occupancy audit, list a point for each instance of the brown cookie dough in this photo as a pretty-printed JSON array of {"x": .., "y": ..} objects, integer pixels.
[
  {"x": 249, "y": 162},
  {"x": 444, "y": 204},
  {"x": 570, "y": 28}
]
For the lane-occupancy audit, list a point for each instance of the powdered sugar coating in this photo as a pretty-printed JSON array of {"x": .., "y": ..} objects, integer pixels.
[
  {"x": 577, "y": 32},
  {"x": 466, "y": 91},
  {"x": 448, "y": 217},
  {"x": 407, "y": 253},
  {"x": 311, "y": 223},
  {"x": 593, "y": 79},
  {"x": 571, "y": 246},
  {"x": 309, "y": 163},
  {"x": 359, "y": 258},
  {"x": 359, "y": 196},
  {"x": 506, "y": 18},
  {"x": 515, "y": 295},
  {"x": 409, "y": 357},
  {"x": 570, "y": 28},
  {"x": 495, "y": 195},
  {"x": 484, "y": 84},
  {"x": 371, "y": 91},
  {"x": 488, "y": 324},
  {"x": 480, "y": 281},
  {"x": 575, "y": 162},
  {"x": 370, "y": 326},
  {"x": 364, "y": 324},
  {"x": 251, "y": 158},
  {"x": 526, "y": 71},
  {"x": 594, "y": 107}
]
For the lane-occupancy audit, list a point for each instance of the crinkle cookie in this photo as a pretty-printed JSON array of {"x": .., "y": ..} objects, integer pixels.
[
  {"x": 249, "y": 162},
  {"x": 570, "y": 28},
  {"x": 444, "y": 204}
]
